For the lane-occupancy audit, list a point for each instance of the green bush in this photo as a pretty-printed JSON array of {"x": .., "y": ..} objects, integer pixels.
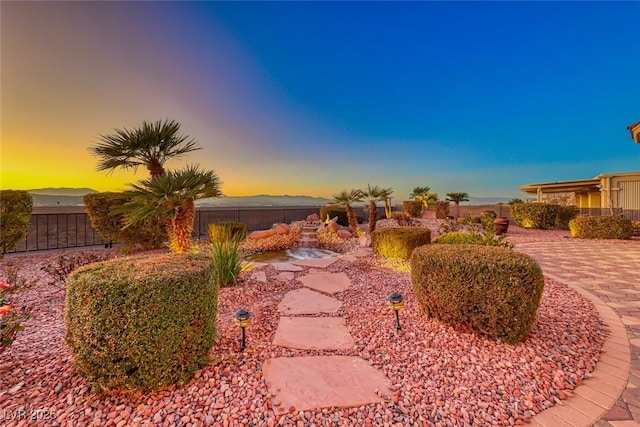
[
  {"x": 226, "y": 229},
  {"x": 413, "y": 208},
  {"x": 492, "y": 290},
  {"x": 636, "y": 227},
  {"x": 601, "y": 227},
  {"x": 399, "y": 242},
  {"x": 459, "y": 238},
  {"x": 442, "y": 209},
  {"x": 566, "y": 214},
  {"x": 333, "y": 212},
  {"x": 535, "y": 215},
  {"x": 141, "y": 321},
  {"x": 108, "y": 223},
  {"x": 15, "y": 214},
  {"x": 227, "y": 257}
]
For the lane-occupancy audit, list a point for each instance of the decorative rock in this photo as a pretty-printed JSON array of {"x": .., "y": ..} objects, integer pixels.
[
  {"x": 313, "y": 217},
  {"x": 260, "y": 276},
  {"x": 345, "y": 234},
  {"x": 365, "y": 240},
  {"x": 285, "y": 276},
  {"x": 286, "y": 266},
  {"x": 306, "y": 301},
  {"x": 261, "y": 234},
  {"x": 313, "y": 333},
  {"x": 281, "y": 229},
  {"x": 333, "y": 227}
]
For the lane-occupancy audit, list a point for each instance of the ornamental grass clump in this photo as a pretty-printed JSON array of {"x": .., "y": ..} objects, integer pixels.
[
  {"x": 399, "y": 242},
  {"x": 141, "y": 322},
  {"x": 601, "y": 227},
  {"x": 489, "y": 289},
  {"x": 228, "y": 258}
]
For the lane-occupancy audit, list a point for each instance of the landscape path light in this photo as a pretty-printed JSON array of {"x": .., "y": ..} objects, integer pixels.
[
  {"x": 243, "y": 319},
  {"x": 396, "y": 303}
]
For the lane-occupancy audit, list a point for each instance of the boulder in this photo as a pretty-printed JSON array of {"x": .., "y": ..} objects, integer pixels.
[
  {"x": 365, "y": 240},
  {"x": 261, "y": 234},
  {"x": 345, "y": 234},
  {"x": 281, "y": 229},
  {"x": 313, "y": 217},
  {"x": 426, "y": 214},
  {"x": 333, "y": 227}
]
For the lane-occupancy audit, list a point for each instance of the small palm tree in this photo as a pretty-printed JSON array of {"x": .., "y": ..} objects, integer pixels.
[
  {"x": 424, "y": 195},
  {"x": 457, "y": 198},
  {"x": 373, "y": 195},
  {"x": 150, "y": 145},
  {"x": 345, "y": 199},
  {"x": 171, "y": 196},
  {"x": 385, "y": 196}
]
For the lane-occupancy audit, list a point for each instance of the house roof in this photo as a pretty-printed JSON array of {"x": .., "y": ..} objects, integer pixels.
[
  {"x": 635, "y": 132},
  {"x": 578, "y": 186}
]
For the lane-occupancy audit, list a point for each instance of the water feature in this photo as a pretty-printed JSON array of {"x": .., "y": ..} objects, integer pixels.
[{"x": 293, "y": 254}]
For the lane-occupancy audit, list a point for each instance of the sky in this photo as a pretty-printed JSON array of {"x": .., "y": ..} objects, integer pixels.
[{"x": 310, "y": 98}]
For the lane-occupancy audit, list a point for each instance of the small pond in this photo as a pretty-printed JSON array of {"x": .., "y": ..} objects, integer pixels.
[{"x": 293, "y": 254}]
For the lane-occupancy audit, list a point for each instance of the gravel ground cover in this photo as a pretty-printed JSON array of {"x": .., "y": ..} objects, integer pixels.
[{"x": 440, "y": 376}]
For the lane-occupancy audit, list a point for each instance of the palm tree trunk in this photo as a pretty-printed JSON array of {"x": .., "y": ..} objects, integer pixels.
[
  {"x": 179, "y": 229},
  {"x": 155, "y": 168},
  {"x": 351, "y": 216},
  {"x": 373, "y": 216},
  {"x": 457, "y": 208}
]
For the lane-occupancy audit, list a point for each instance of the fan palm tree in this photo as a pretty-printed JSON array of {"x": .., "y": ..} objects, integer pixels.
[
  {"x": 345, "y": 199},
  {"x": 150, "y": 145},
  {"x": 424, "y": 195},
  {"x": 171, "y": 196},
  {"x": 373, "y": 195},
  {"x": 385, "y": 196},
  {"x": 457, "y": 198}
]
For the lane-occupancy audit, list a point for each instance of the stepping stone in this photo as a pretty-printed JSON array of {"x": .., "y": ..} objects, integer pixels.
[
  {"x": 362, "y": 252},
  {"x": 313, "y": 333},
  {"x": 253, "y": 265},
  {"x": 285, "y": 276},
  {"x": 348, "y": 258},
  {"x": 329, "y": 283},
  {"x": 316, "y": 262},
  {"x": 260, "y": 276},
  {"x": 314, "y": 382},
  {"x": 306, "y": 301},
  {"x": 286, "y": 266}
]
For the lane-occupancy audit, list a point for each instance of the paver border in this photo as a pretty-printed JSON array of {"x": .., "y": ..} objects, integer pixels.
[{"x": 606, "y": 383}]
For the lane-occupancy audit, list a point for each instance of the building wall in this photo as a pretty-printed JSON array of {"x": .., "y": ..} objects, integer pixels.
[{"x": 621, "y": 191}]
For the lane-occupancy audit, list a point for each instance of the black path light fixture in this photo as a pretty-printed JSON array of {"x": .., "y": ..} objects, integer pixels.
[
  {"x": 243, "y": 319},
  {"x": 395, "y": 301}
]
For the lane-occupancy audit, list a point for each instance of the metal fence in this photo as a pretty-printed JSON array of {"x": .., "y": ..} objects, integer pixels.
[
  {"x": 73, "y": 229},
  {"x": 632, "y": 214}
]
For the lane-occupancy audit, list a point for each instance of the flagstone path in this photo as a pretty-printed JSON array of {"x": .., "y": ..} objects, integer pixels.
[{"x": 313, "y": 382}]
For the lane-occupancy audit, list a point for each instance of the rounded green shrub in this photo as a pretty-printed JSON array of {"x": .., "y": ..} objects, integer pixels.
[
  {"x": 413, "y": 208},
  {"x": 601, "y": 227},
  {"x": 399, "y": 242},
  {"x": 15, "y": 215},
  {"x": 491, "y": 289},
  {"x": 143, "y": 321},
  {"x": 535, "y": 215},
  {"x": 224, "y": 230},
  {"x": 332, "y": 212},
  {"x": 566, "y": 214},
  {"x": 636, "y": 227},
  {"x": 102, "y": 209},
  {"x": 459, "y": 238}
]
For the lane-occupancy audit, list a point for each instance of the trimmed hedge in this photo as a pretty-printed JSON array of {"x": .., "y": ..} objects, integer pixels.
[
  {"x": 399, "y": 242},
  {"x": 636, "y": 227},
  {"x": 535, "y": 215},
  {"x": 442, "y": 209},
  {"x": 493, "y": 290},
  {"x": 333, "y": 212},
  {"x": 15, "y": 214},
  {"x": 601, "y": 227},
  {"x": 109, "y": 224},
  {"x": 225, "y": 230},
  {"x": 459, "y": 238},
  {"x": 413, "y": 208},
  {"x": 141, "y": 321},
  {"x": 566, "y": 214}
]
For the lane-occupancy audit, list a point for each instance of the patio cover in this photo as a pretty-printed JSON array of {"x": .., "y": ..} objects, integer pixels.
[{"x": 577, "y": 186}]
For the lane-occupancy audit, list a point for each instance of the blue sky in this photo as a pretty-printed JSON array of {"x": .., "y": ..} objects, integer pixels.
[{"x": 312, "y": 98}]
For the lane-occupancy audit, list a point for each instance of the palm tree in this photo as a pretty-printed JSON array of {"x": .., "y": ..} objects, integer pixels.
[
  {"x": 385, "y": 196},
  {"x": 424, "y": 195},
  {"x": 150, "y": 145},
  {"x": 457, "y": 198},
  {"x": 373, "y": 195},
  {"x": 344, "y": 199},
  {"x": 171, "y": 196}
]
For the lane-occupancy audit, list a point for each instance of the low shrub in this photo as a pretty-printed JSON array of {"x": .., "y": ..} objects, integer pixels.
[
  {"x": 142, "y": 321},
  {"x": 413, "y": 208},
  {"x": 332, "y": 212},
  {"x": 66, "y": 263},
  {"x": 399, "y": 242},
  {"x": 227, "y": 257},
  {"x": 566, "y": 214},
  {"x": 108, "y": 223},
  {"x": 226, "y": 229},
  {"x": 601, "y": 227},
  {"x": 492, "y": 290},
  {"x": 636, "y": 227},
  {"x": 15, "y": 214},
  {"x": 11, "y": 317},
  {"x": 459, "y": 238},
  {"x": 442, "y": 209},
  {"x": 535, "y": 215}
]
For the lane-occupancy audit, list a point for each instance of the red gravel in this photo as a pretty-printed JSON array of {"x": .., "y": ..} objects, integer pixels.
[{"x": 440, "y": 376}]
